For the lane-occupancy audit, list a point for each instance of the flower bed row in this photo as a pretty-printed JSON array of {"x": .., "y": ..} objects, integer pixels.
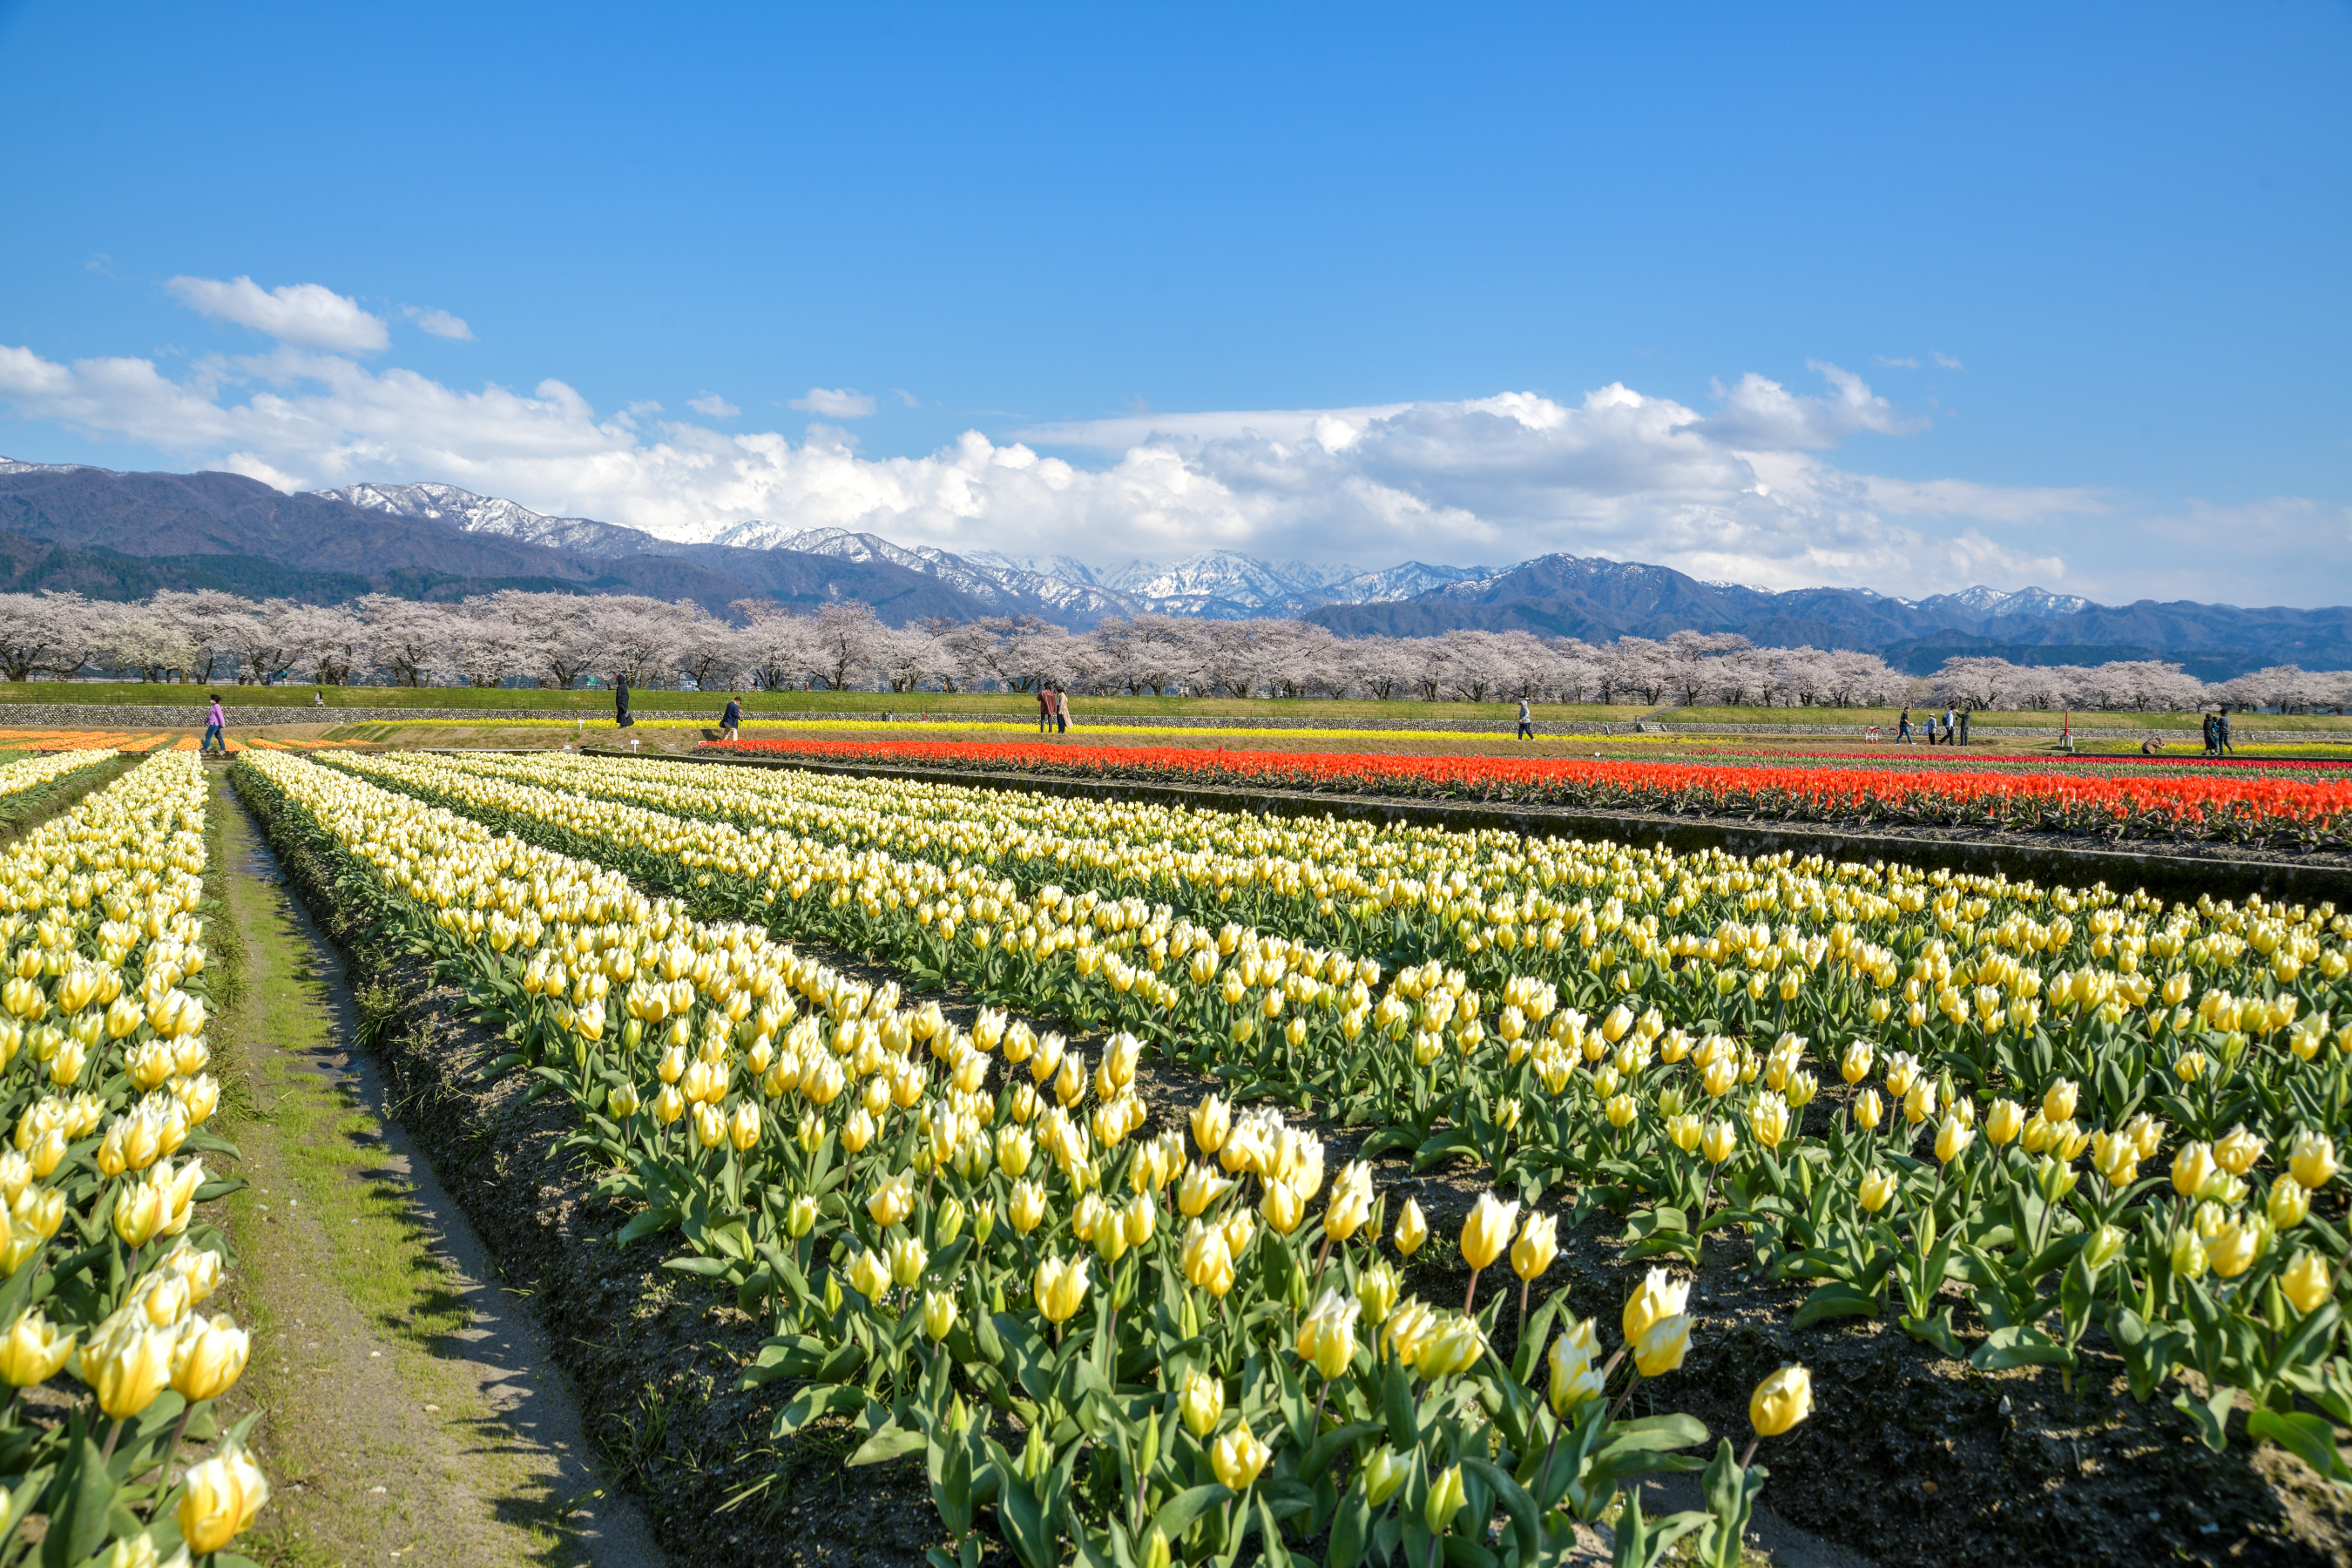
[
  {"x": 1999, "y": 1073},
  {"x": 104, "y": 1256},
  {"x": 2225, "y": 807}
]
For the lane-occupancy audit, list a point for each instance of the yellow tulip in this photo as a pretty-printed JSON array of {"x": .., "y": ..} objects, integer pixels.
[
  {"x": 2307, "y": 1282},
  {"x": 2311, "y": 1158},
  {"x": 1487, "y": 1230},
  {"x": 1201, "y": 1403},
  {"x": 1237, "y": 1459},
  {"x": 1061, "y": 1287},
  {"x": 1412, "y": 1230},
  {"x": 1877, "y": 1190},
  {"x": 223, "y": 1496},
  {"x": 34, "y": 1349},
  {"x": 1659, "y": 1296},
  {"x": 1780, "y": 1401},
  {"x": 1207, "y": 1261},
  {"x": 2237, "y": 1151},
  {"x": 208, "y": 1358},
  {"x": 1446, "y": 1495},
  {"x": 1538, "y": 1245},
  {"x": 893, "y": 1201}
]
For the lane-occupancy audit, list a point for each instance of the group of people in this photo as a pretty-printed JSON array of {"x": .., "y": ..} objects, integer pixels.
[
  {"x": 1953, "y": 731},
  {"x": 1053, "y": 710},
  {"x": 2217, "y": 733}
]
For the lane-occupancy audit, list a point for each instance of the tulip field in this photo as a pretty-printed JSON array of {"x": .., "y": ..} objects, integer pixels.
[
  {"x": 2304, "y": 805},
  {"x": 104, "y": 1085},
  {"x": 2028, "y": 1128}
]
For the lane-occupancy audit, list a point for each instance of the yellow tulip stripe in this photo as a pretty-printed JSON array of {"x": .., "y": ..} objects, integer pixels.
[
  {"x": 104, "y": 1091},
  {"x": 32, "y": 772},
  {"x": 1200, "y": 1339},
  {"x": 1981, "y": 1039}
]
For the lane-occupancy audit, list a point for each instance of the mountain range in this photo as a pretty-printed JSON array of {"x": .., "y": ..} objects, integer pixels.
[{"x": 122, "y": 535}]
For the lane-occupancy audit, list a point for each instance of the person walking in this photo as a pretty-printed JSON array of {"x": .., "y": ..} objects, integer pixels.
[
  {"x": 2221, "y": 732},
  {"x": 317, "y": 699},
  {"x": 1903, "y": 736},
  {"x": 621, "y": 718},
  {"x": 1045, "y": 708},
  {"x": 215, "y": 728},
  {"x": 2212, "y": 736},
  {"x": 1061, "y": 710},
  {"x": 1527, "y": 721},
  {"x": 731, "y": 719}
]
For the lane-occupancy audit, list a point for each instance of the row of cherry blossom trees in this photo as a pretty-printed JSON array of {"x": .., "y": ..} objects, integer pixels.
[{"x": 560, "y": 639}]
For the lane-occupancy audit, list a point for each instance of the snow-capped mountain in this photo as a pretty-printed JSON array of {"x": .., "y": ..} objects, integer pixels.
[
  {"x": 1408, "y": 581},
  {"x": 2039, "y": 603},
  {"x": 486, "y": 514},
  {"x": 1229, "y": 577}
]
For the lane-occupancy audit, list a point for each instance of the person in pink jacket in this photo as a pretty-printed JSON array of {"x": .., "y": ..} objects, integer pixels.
[{"x": 215, "y": 734}]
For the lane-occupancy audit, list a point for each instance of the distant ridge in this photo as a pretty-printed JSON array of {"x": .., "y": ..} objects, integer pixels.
[{"x": 438, "y": 541}]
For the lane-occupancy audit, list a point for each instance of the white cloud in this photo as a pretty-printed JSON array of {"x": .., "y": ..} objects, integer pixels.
[
  {"x": 710, "y": 405},
  {"x": 440, "y": 323},
  {"x": 309, "y": 314},
  {"x": 1905, "y": 363},
  {"x": 1744, "y": 492},
  {"x": 906, "y": 397},
  {"x": 1948, "y": 362},
  {"x": 838, "y": 403}
]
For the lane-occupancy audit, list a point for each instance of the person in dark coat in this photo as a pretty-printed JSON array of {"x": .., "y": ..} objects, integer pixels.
[
  {"x": 733, "y": 716},
  {"x": 1045, "y": 708},
  {"x": 2221, "y": 732},
  {"x": 621, "y": 703},
  {"x": 2212, "y": 737}
]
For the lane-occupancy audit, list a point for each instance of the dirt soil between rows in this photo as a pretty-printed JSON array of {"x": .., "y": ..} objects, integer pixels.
[{"x": 1910, "y": 1457}]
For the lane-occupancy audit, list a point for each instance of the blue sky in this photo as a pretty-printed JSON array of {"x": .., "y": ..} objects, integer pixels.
[{"x": 1893, "y": 298}]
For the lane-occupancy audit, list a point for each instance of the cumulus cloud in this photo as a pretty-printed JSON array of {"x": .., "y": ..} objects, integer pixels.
[
  {"x": 310, "y": 314},
  {"x": 836, "y": 402},
  {"x": 710, "y": 405},
  {"x": 440, "y": 323},
  {"x": 1744, "y": 490}
]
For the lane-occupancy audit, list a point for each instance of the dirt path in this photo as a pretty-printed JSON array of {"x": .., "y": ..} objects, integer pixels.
[{"x": 412, "y": 1410}]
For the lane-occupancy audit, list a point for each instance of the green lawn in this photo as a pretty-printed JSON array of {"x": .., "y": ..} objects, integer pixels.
[
  {"x": 2031, "y": 719},
  {"x": 1285, "y": 712}
]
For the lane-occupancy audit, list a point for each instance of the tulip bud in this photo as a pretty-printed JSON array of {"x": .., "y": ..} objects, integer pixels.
[
  {"x": 800, "y": 1218},
  {"x": 1384, "y": 1473},
  {"x": 2102, "y": 1247},
  {"x": 939, "y": 1314},
  {"x": 2058, "y": 1103},
  {"x": 1445, "y": 1494},
  {"x": 2289, "y": 1204},
  {"x": 1877, "y": 1190},
  {"x": 2189, "y": 1259},
  {"x": 1201, "y": 1403},
  {"x": 1780, "y": 1401},
  {"x": 1867, "y": 1110},
  {"x": 2004, "y": 1122},
  {"x": 1412, "y": 1230},
  {"x": 1538, "y": 1245}
]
